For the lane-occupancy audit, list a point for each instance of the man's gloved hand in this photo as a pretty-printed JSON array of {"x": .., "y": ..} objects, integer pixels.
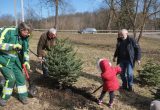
[
  {"x": 27, "y": 65},
  {"x": 139, "y": 62},
  {"x": 17, "y": 47},
  {"x": 41, "y": 59}
]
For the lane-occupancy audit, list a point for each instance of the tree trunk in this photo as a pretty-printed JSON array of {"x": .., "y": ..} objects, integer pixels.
[
  {"x": 134, "y": 32},
  {"x": 141, "y": 30},
  {"x": 56, "y": 17},
  {"x": 145, "y": 11},
  {"x": 110, "y": 18}
]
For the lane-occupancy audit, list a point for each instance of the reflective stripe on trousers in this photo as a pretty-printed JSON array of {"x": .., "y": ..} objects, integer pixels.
[
  {"x": 22, "y": 89},
  {"x": 6, "y": 90}
]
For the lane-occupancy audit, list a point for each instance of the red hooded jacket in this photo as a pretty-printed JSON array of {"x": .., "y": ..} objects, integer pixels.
[{"x": 109, "y": 75}]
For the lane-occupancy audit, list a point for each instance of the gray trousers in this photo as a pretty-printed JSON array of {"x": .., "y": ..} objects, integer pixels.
[{"x": 44, "y": 68}]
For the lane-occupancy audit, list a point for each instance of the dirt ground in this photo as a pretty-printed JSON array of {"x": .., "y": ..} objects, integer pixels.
[{"x": 79, "y": 96}]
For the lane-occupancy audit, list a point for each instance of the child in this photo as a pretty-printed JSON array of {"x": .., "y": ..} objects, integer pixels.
[{"x": 110, "y": 81}]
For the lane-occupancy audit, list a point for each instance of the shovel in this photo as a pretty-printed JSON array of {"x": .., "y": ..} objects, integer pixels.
[
  {"x": 97, "y": 89},
  {"x": 32, "y": 90}
]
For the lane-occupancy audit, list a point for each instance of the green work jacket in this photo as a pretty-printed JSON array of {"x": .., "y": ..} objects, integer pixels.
[{"x": 9, "y": 37}]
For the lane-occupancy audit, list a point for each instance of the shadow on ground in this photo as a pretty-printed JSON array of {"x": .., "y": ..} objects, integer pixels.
[
  {"x": 91, "y": 76},
  {"x": 134, "y": 99},
  {"x": 129, "y": 98},
  {"x": 71, "y": 97},
  {"x": 67, "y": 97}
]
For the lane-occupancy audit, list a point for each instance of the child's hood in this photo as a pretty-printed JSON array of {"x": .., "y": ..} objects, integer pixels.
[{"x": 105, "y": 65}]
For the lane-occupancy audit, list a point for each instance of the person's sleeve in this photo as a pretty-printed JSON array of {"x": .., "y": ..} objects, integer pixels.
[
  {"x": 40, "y": 51},
  {"x": 106, "y": 76},
  {"x": 3, "y": 45},
  {"x": 137, "y": 50},
  {"x": 103, "y": 76},
  {"x": 116, "y": 51},
  {"x": 118, "y": 69},
  {"x": 26, "y": 50},
  {"x": 6, "y": 46}
]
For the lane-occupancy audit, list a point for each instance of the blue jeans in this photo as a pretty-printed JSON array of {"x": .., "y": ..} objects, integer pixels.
[{"x": 127, "y": 74}]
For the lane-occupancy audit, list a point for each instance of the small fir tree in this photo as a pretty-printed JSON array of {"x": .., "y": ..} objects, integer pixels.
[
  {"x": 156, "y": 92},
  {"x": 62, "y": 63},
  {"x": 150, "y": 74}
]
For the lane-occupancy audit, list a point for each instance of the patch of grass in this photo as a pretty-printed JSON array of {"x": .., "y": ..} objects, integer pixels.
[{"x": 92, "y": 46}]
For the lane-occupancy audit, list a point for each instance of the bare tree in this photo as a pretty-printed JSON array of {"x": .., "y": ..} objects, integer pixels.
[
  {"x": 56, "y": 18},
  {"x": 132, "y": 16},
  {"x": 32, "y": 17},
  {"x": 145, "y": 12},
  {"x": 110, "y": 3},
  {"x": 113, "y": 8},
  {"x": 6, "y": 20},
  {"x": 56, "y": 4}
]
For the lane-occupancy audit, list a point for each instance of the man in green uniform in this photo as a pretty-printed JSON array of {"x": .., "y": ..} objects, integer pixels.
[{"x": 13, "y": 53}]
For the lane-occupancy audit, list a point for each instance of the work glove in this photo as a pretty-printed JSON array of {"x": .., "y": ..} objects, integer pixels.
[
  {"x": 139, "y": 62},
  {"x": 27, "y": 65},
  {"x": 17, "y": 47},
  {"x": 41, "y": 59}
]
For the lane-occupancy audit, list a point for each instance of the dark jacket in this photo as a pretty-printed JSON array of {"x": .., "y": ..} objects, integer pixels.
[
  {"x": 44, "y": 44},
  {"x": 132, "y": 48}
]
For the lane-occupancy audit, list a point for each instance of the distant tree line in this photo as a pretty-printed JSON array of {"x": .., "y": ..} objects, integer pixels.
[{"x": 97, "y": 19}]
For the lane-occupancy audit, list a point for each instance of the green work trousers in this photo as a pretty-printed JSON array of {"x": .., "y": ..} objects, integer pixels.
[{"x": 13, "y": 75}]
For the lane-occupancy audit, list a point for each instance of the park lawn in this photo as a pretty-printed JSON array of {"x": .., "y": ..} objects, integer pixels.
[{"x": 89, "y": 47}]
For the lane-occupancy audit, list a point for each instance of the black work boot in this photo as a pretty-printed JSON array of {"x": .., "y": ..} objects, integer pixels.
[
  {"x": 24, "y": 101},
  {"x": 45, "y": 76},
  {"x": 130, "y": 88},
  {"x": 124, "y": 87}
]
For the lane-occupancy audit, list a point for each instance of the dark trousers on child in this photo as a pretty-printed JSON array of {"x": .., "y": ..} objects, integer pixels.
[{"x": 111, "y": 96}]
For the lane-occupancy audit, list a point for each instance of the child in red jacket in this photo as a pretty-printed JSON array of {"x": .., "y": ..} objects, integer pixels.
[{"x": 110, "y": 80}]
